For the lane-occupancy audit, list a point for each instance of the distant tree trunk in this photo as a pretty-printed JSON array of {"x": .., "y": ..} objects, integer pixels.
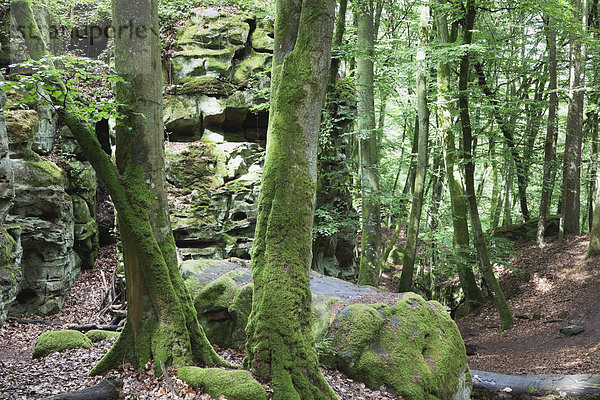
[
  {"x": 510, "y": 141},
  {"x": 550, "y": 128},
  {"x": 370, "y": 257},
  {"x": 161, "y": 320},
  {"x": 473, "y": 295},
  {"x": 280, "y": 346},
  {"x": 571, "y": 207},
  {"x": 412, "y": 231},
  {"x": 338, "y": 38},
  {"x": 506, "y": 320}
]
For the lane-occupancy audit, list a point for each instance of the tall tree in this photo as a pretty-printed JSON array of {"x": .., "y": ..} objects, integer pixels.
[
  {"x": 161, "y": 320},
  {"x": 370, "y": 257},
  {"x": 473, "y": 295},
  {"x": 506, "y": 320},
  {"x": 280, "y": 346},
  {"x": 571, "y": 209},
  {"x": 550, "y": 130},
  {"x": 412, "y": 231}
]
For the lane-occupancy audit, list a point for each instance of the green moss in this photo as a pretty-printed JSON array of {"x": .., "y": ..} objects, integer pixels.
[
  {"x": 96, "y": 335},
  {"x": 216, "y": 295},
  {"x": 8, "y": 247},
  {"x": 21, "y": 125},
  {"x": 250, "y": 66},
  {"x": 208, "y": 85},
  {"x": 414, "y": 349},
  {"x": 233, "y": 385},
  {"x": 46, "y": 173},
  {"x": 49, "y": 342}
]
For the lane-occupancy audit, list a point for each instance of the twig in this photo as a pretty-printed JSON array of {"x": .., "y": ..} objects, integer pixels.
[{"x": 168, "y": 380}]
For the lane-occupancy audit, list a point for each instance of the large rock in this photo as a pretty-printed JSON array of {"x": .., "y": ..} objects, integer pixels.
[
  {"x": 214, "y": 190},
  {"x": 10, "y": 269},
  {"x": 400, "y": 341},
  {"x": 7, "y": 191},
  {"x": 44, "y": 211}
]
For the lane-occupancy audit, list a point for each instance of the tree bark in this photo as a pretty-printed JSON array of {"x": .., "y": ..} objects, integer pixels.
[
  {"x": 370, "y": 257},
  {"x": 473, "y": 295},
  {"x": 280, "y": 346},
  {"x": 412, "y": 231},
  {"x": 550, "y": 128},
  {"x": 161, "y": 320},
  {"x": 506, "y": 320},
  {"x": 571, "y": 211}
]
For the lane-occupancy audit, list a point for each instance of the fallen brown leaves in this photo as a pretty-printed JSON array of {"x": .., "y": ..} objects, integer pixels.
[{"x": 23, "y": 378}]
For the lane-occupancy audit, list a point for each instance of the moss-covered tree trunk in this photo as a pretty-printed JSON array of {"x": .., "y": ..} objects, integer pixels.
[
  {"x": 546, "y": 198},
  {"x": 412, "y": 231},
  {"x": 280, "y": 346},
  {"x": 473, "y": 295},
  {"x": 161, "y": 321},
  {"x": 370, "y": 255},
  {"x": 506, "y": 320}
]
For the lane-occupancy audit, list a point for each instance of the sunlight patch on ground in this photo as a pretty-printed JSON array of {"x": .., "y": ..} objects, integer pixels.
[{"x": 542, "y": 284}]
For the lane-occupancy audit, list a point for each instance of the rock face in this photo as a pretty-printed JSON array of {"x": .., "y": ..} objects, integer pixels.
[
  {"x": 216, "y": 132},
  {"x": 409, "y": 345},
  {"x": 10, "y": 236},
  {"x": 54, "y": 206}
]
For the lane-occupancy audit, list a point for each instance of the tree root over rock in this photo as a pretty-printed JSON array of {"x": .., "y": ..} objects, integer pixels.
[{"x": 490, "y": 385}]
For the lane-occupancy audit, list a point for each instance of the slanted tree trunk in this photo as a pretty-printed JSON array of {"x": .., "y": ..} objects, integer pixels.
[
  {"x": 550, "y": 128},
  {"x": 473, "y": 295},
  {"x": 506, "y": 320},
  {"x": 280, "y": 346},
  {"x": 370, "y": 257},
  {"x": 571, "y": 207},
  {"x": 161, "y": 320},
  {"x": 412, "y": 231}
]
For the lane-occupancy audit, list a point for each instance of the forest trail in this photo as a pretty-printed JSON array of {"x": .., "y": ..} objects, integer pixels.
[{"x": 546, "y": 289}]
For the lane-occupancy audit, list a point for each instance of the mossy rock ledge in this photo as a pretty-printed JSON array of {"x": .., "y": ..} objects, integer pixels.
[
  {"x": 409, "y": 345},
  {"x": 233, "y": 385},
  {"x": 49, "y": 342}
]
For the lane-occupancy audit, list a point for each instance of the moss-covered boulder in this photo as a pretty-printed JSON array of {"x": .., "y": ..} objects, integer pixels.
[
  {"x": 49, "y": 342},
  {"x": 411, "y": 347},
  {"x": 233, "y": 385},
  {"x": 96, "y": 335},
  {"x": 223, "y": 304}
]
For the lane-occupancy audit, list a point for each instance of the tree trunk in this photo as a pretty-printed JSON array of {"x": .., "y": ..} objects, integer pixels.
[
  {"x": 570, "y": 211},
  {"x": 550, "y": 128},
  {"x": 506, "y": 320},
  {"x": 161, "y": 320},
  {"x": 370, "y": 257},
  {"x": 280, "y": 346},
  {"x": 473, "y": 295},
  {"x": 412, "y": 231}
]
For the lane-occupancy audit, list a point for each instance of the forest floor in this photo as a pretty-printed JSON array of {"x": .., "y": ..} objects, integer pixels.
[
  {"x": 546, "y": 289},
  {"x": 24, "y": 378}
]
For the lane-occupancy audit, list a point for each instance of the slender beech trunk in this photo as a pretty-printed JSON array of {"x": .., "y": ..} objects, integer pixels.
[
  {"x": 280, "y": 346},
  {"x": 506, "y": 319},
  {"x": 571, "y": 207},
  {"x": 370, "y": 257},
  {"x": 161, "y": 320},
  {"x": 503, "y": 123},
  {"x": 550, "y": 134},
  {"x": 412, "y": 231},
  {"x": 460, "y": 256}
]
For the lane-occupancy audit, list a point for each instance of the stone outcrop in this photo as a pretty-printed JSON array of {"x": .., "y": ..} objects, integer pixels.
[
  {"x": 10, "y": 236},
  {"x": 54, "y": 206},
  {"x": 400, "y": 341},
  {"x": 216, "y": 130}
]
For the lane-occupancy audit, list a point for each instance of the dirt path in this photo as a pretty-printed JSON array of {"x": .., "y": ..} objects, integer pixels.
[{"x": 548, "y": 289}]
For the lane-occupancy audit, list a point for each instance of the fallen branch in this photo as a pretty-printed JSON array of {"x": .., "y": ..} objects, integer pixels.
[
  {"x": 493, "y": 385},
  {"x": 108, "y": 389}
]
